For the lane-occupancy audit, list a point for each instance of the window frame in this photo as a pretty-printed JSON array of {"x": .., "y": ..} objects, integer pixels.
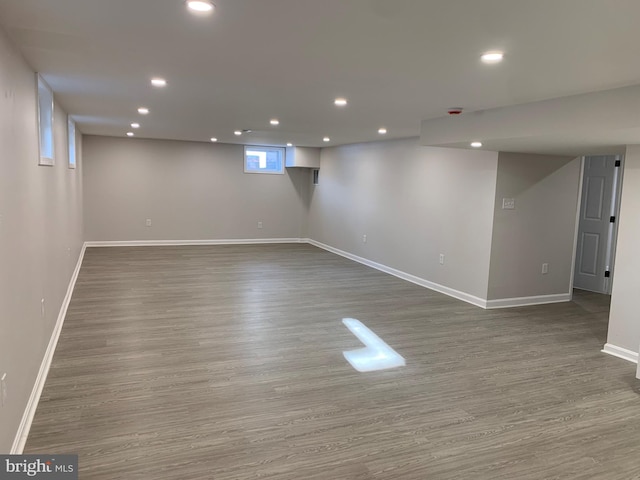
[
  {"x": 264, "y": 148},
  {"x": 46, "y": 158},
  {"x": 71, "y": 142}
]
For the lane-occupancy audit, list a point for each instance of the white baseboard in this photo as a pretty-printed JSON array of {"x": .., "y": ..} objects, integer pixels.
[
  {"x": 620, "y": 352},
  {"x": 30, "y": 410},
  {"x": 465, "y": 297},
  {"x": 177, "y": 243},
  {"x": 524, "y": 301}
]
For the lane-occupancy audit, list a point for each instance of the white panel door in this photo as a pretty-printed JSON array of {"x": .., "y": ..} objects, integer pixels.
[{"x": 595, "y": 224}]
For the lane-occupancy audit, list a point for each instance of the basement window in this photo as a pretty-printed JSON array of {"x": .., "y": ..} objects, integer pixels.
[
  {"x": 263, "y": 160},
  {"x": 72, "y": 143},
  {"x": 45, "y": 122}
]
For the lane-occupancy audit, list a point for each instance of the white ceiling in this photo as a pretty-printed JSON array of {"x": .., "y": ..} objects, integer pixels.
[
  {"x": 603, "y": 122},
  {"x": 397, "y": 61}
]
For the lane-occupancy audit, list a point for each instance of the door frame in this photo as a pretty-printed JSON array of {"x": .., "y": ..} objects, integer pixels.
[
  {"x": 615, "y": 211},
  {"x": 615, "y": 206}
]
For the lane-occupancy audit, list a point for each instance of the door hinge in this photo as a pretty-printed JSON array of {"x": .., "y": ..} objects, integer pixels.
[
  {"x": 607, "y": 274},
  {"x": 612, "y": 219},
  {"x": 618, "y": 163}
]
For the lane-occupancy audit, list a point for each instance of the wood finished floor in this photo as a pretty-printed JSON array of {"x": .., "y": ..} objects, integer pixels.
[{"x": 225, "y": 363}]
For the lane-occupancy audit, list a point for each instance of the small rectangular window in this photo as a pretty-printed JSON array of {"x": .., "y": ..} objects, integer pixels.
[
  {"x": 263, "y": 160},
  {"x": 316, "y": 175},
  {"x": 72, "y": 143},
  {"x": 45, "y": 122}
]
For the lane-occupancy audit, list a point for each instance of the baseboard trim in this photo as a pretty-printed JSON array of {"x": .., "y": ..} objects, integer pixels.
[
  {"x": 179, "y": 243},
  {"x": 465, "y": 297},
  {"x": 526, "y": 301},
  {"x": 620, "y": 352},
  {"x": 30, "y": 410}
]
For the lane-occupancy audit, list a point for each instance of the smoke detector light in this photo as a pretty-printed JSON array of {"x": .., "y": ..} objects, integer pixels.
[
  {"x": 476, "y": 144},
  {"x": 492, "y": 57},
  {"x": 200, "y": 6},
  {"x": 340, "y": 102},
  {"x": 158, "y": 82},
  {"x": 143, "y": 111}
]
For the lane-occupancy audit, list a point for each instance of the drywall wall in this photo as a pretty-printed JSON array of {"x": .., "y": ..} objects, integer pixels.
[
  {"x": 306, "y": 157},
  {"x": 413, "y": 203},
  {"x": 189, "y": 191},
  {"x": 624, "y": 319},
  {"x": 540, "y": 229},
  {"x": 40, "y": 234}
]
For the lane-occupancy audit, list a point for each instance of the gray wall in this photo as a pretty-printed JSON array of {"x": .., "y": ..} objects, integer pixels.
[
  {"x": 40, "y": 234},
  {"x": 189, "y": 190},
  {"x": 624, "y": 319},
  {"x": 413, "y": 203},
  {"x": 541, "y": 229}
]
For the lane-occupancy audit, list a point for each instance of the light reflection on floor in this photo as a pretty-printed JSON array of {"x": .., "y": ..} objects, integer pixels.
[{"x": 377, "y": 355}]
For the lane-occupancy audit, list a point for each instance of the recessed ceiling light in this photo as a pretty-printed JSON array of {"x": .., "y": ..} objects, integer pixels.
[
  {"x": 492, "y": 57},
  {"x": 200, "y": 6},
  {"x": 214, "y": 139},
  {"x": 158, "y": 82},
  {"x": 130, "y": 134},
  {"x": 326, "y": 139},
  {"x": 289, "y": 144},
  {"x": 237, "y": 132},
  {"x": 274, "y": 121},
  {"x": 476, "y": 144},
  {"x": 340, "y": 102},
  {"x": 143, "y": 111},
  {"x": 382, "y": 131},
  {"x": 135, "y": 125}
]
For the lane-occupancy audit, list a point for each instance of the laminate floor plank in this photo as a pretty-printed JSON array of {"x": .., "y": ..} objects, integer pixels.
[{"x": 225, "y": 363}]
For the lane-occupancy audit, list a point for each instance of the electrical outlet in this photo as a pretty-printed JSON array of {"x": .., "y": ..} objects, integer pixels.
[
  {"x": 42, "y": 307},
  {"x": 364, "y": 239},
  {"x": 442, "y": 259},
  {"x": 545, "y": 268},
  {"x": 148, "y": 222},
  {"x": 508, "y": 203},
  {"x": 3, "y": 390},
  {"x": 259, "y": 224}
]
